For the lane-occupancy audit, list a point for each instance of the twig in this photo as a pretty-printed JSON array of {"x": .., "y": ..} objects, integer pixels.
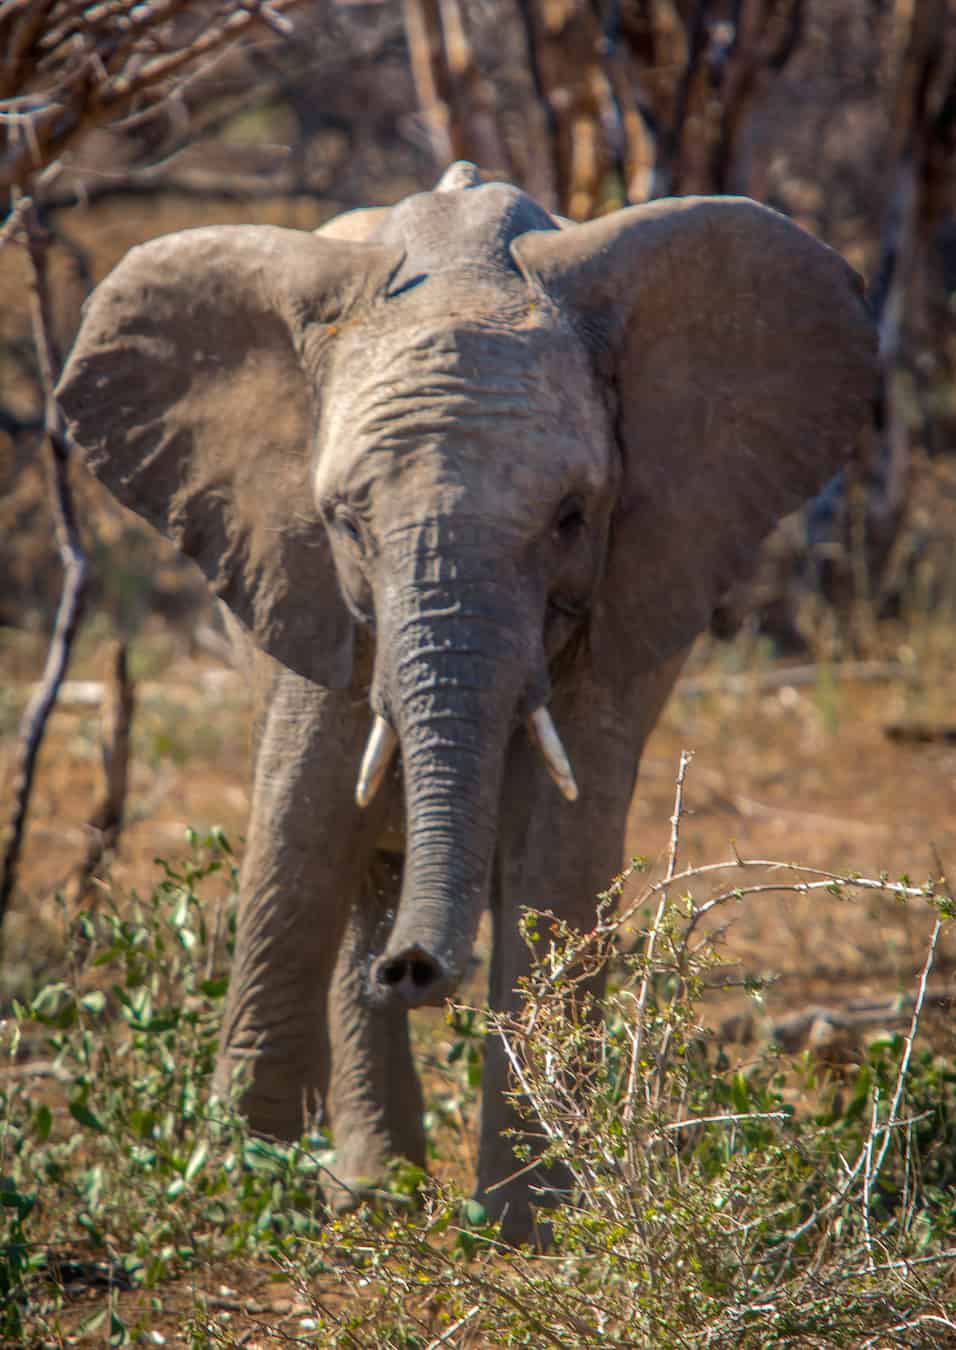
[
  {"x": 446, "y": 1336},
  {"x": 634, "y": 1069},
  {"x": 828, "y": 881},
  {"x": 934, "y": 1260},
  {"x": 75, "y": 565},
  {"x": 868, "y": 1177},
  {"x": 95, "y": 66},
  {"x": 931, "y": 1318},
  {"x": 727, "y": 1120},
  {"x": 836, "y": 1199},
  {"x": 864, "y": 1161},
  {"x": 910, "y": 1038},
  {"x": 23, "y": 206}
]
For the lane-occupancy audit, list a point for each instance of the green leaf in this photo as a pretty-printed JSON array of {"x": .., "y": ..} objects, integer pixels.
[
  {"x": 13, "y": 1198},
  {"x": 142, "y": 1122},
  {"x": 474, "y": 1214},
  {"x": 475, "y": 1070},
  {"x": 196, "y": 1161},
  {"x": 54, "y": 1007},
  {"x": 217, "y": 836},
  {"x": 741, "y": 1093},
  {"x": 82, "y": 1114},
  {"x": 42, "y": 1123},
  {"x": 259, "y": 1153}
]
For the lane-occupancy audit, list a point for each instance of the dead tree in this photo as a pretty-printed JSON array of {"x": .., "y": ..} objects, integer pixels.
[
  {"x": 638, "y": 100},
  {"x": 856, "y": 525},
  {"x": 69, "y": 68}
]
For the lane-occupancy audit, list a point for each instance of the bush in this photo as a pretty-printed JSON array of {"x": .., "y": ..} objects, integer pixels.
[
  {"x": 141, "y": 1175},
  {"x": 708, "y": 1204}
]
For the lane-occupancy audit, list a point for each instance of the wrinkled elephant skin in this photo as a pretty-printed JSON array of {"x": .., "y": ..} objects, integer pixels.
[{"x": 469, "y": 480}]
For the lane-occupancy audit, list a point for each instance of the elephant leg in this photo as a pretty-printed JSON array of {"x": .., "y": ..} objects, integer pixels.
[
  {"x": 557, "y": 856},
  {"x": 307, "y": 847},
  {"x": 375, "y": 1098}
]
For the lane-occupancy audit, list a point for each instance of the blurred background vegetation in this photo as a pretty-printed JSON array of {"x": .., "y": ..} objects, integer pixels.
[{"x": 123, "y": 121}]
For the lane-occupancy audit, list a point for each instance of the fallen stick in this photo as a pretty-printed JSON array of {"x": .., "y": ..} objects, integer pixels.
[
  {"x": 789, "y": 676},
  {"x": 921, "y": 733}
]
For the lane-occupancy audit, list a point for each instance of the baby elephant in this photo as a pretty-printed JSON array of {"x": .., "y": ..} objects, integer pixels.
[{"x": 469, "y": 480}]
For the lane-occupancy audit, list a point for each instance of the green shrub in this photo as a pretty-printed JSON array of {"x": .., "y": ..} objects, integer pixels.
[
  {"x": 140, "y": 1172},
  {"x": 701, "y": 1208}
]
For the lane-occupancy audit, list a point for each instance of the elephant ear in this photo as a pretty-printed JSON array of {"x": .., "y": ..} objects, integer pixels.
[
  {"x": 743, "y": 362},
  {"x": 192, "y": 391}
]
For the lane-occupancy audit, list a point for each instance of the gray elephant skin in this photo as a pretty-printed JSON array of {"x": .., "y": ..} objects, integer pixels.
[{"x": 469, "y": 480}]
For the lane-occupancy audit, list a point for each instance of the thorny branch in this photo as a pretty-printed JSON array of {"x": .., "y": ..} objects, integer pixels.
[
  {"x": 685, "y": 759},
  {"x": 555, "y": 1075},
  {"x": 67, "y": 72},
  {"x": 910, "y": 1038}
]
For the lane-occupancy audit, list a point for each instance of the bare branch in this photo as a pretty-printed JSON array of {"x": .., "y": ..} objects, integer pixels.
[
  {"x": 106, "y": 821},
  {"x": 907, "y": 1053},
  {"x": 74, "y": 68},
  {"x": 75, "y": 565},
  {"x": 635, "y": 1064}
]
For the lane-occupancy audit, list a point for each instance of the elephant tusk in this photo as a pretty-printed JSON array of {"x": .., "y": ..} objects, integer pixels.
[
  {"x": 378, "y": 755},
  {"x": 545, "y": 735}
]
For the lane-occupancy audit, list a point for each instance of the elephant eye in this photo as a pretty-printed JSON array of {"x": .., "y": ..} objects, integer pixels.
[
  {"x": 346, "y": 524},
  {"x": 569, "y": 521}
]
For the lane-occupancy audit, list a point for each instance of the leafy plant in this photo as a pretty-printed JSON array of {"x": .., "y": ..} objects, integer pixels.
[
  {"x": 141, "y": 1168},
  {"x": 699, "y": 1206}
]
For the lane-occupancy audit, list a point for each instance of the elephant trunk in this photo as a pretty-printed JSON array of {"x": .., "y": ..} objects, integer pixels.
[{"x": 454, "y": 663}]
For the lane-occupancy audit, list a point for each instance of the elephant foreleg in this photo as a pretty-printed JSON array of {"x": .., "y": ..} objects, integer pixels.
[
  {"x": 375, "y": 1098},
  {"x": 308, "y": 845}
]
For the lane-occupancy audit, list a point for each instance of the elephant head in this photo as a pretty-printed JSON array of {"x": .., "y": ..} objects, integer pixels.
[{"x": 504, "y": 444}]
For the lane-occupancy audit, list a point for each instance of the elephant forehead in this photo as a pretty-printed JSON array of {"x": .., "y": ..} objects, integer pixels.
[{"x": 475, "y": 382}]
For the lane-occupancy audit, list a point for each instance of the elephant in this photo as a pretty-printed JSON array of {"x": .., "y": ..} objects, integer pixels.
[{"x": 469, "y": 479}]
